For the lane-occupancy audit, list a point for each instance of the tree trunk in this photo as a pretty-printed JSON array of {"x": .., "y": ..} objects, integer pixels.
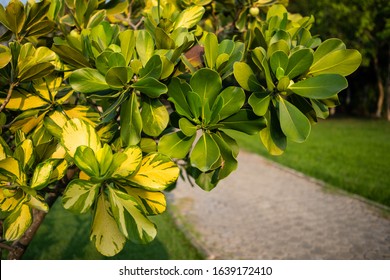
[{"x": 381, "y": 89}]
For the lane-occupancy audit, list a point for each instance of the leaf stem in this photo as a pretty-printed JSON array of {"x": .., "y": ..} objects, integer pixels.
[{"x": 9, "y": 94}]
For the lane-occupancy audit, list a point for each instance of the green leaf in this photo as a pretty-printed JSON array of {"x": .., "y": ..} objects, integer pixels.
[
  {"x": 17, "y": 223},
  {"x": 105, "y": 233},
  {"x": 118, "y": 77},
  {"x": 130, "y": 218},
  {"x": 189, "y": 17},
  {"x": 131, "y": 121},
  {"x": 153, "y": 68},
  {"x": 278, "y": 59},
  {"x": 211, "y": 49},
  {"x": 176, "y": 144},
  {"x": 88, "y": 80},
  {"x": 177, "y": 92},
  {"x": 80, "y": 195},
  {"x": 155, "y": 117},
  {"x": 144, "y": 45},
  {"x": 150, "y": 86},
  {"x": 156, "y": 173},
  {"x": 42, "y": 174},
  {"x": 320, "y": 87},
  {"x": 244, "y": 121},
  {"x": 245, "y": 77},
  {"x": 207, "y": 84},
  {"x": 233, "y": 98},
  {"x": 229, "y": 159},
  {"x": 272, "y": 136},
  {"x": 127, "y": 43},
  {"x": 327, "y": 47},
  {"x": 259, "y": 102},
  {"x": 85, "y": 159},
  {"x": 299, "y": 62},
  {"x": 205, "y": 153},
  {"x": 71, "y": 56},
  {"x": 259, "y": 57},
  {"x": 79, "y": 133},
  {"x": 207, "y": 181},
  {"x": 163, "y": 41},
  {"x": 15, "y": 16},
  {"x": 187, "y": 127},
  {"x": 293, "y": 122},
  {"x": 342, "y": 62}
]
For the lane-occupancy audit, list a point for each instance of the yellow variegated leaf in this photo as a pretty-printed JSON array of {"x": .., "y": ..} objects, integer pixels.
[
  {"x": 27, "y": 124},
  {"x": 79, "y": 195},
  {"x": 9, "y": 203},
  {"x": 3, "y": 155},
  {"x": 156, "y": 173},
  {"x": 54, "y": 122},
  {"x": 105, "y": 232},
  {"x": 154, "y": 202},
  {"x": 48, "y": 87},
  {"x": 85, "y": 113},
  {"x": 131, "y": 164},
  {"x": 17, "y": 223},
  {"x": 79, "y": 133},
  {"x": 42, "y": 174},
  {"x": 11, "y": 167},
  {"x": 25, "y": 154},
  {"x": 83, "y": 176},
  {"x": 59, "y": 171},
  {"x": 58, "y": 153},
  {"x": 130, "y": 217},
  {"x": 37, "y": 203},
  {"x": 23, "y": 100}
]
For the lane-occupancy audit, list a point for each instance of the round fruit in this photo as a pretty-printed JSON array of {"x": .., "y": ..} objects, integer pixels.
[{"x": 254, "y": 11}]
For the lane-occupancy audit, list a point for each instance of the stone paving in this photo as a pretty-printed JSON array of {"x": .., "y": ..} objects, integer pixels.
[{"x": 265, "y": 211}]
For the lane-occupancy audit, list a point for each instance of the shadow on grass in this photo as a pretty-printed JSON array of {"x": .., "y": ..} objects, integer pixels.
[{"x": 65, "y": 236}]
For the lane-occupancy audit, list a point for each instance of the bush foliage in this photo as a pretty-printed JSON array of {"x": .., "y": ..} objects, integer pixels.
[{"x": 106, "y": 103}]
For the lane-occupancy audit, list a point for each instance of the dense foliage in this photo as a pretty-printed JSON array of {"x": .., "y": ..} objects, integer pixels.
[{"x": 105, "y": 103}]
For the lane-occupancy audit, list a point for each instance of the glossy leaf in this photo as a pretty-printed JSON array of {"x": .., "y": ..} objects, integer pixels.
[
  {"x": 80, "y": 195},
  {"x": 88, "y": 80},
  {"x": 17, "y": 223},
  {"x": 245, "y": 77},
  {"x": 118, "y": 77},
  {"x": 207, "y": 84},
  {"x": 85, "y": 159},
  {"x": 232, "y": 99},
  {"x": 176, "y": 144},
  {"x": 156, "y": 173},
  {"x": 150, "y": 86},
  {"x": 244, "y": 121},
  {"x": 177, "y": 92},
  {"x": 259, "y": 102},
  {"x": 42, "y": 175},
  {"x": 105, "y": 234},
  {"x": 155, "y": 117},
  {"x": 144, "y": 45},
  {"x": 131, "y": 163},
  {"x": 130, "y": 121},
  {"x": 130, "y": 219},
  {"x": 189, "y": 17},
  {"x": 320, "y": 87},
  {"x": 127, "y": 43},
  {"x": 211, "y": 49},
  {"x": 153, "y": 202},
  {"x": 187, "y": 127},
  {"x": 299, "y": 62},
  {"x": 205, "y": 153},
  {"x": 79, "y": 133},
  {"x": 293, "y": 122}
]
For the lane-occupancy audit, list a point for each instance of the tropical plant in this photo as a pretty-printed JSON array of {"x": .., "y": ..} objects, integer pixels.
[{"x": 106, "y": 103}]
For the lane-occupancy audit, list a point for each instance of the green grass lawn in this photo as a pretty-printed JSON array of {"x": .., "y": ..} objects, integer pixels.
[
  {"x": 352, "y": 154},
  {"x": 65, "y": 236}
]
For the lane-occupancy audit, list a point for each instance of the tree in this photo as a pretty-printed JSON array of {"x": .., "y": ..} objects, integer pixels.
[
  {"x": 364, "y": 25},
  {"x": 105, "y": 103}
]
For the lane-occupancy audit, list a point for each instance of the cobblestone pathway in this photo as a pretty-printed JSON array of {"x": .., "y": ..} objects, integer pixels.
[{"x": 264, "y": 211}]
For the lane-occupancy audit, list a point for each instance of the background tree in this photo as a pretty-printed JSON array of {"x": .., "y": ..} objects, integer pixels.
[{"x": 365, "y": 25}]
